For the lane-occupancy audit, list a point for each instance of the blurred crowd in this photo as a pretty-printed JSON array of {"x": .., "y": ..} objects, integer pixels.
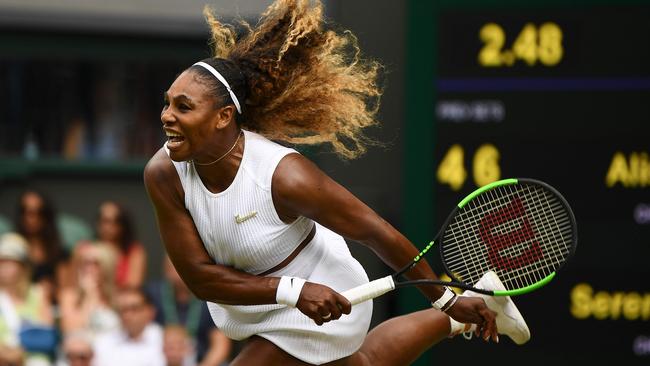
[{"x": 89, "y": 303}]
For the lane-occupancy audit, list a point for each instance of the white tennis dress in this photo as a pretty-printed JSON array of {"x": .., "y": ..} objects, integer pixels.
[{"x": 240, "y": 228}]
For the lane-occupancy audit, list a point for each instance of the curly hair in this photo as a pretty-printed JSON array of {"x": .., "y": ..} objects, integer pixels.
[{"x": 302, "y": 83}]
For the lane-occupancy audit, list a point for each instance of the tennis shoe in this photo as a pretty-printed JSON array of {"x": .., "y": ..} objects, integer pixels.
[{"x": 509, "y": 320}]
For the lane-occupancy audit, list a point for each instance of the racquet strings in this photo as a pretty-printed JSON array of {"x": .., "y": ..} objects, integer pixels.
[{"x": 523, "y": 232}]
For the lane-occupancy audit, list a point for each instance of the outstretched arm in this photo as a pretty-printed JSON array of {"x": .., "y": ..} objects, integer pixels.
[{"x": 301, "y": 189}]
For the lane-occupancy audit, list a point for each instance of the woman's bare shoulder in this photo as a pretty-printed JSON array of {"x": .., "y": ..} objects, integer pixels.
[
  {"x": 159, "y": 167},
  {"x": 161, "y": 179}
]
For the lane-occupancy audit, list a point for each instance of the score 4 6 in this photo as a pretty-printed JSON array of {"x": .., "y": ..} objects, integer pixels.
[{"x": 485, "y": 166}]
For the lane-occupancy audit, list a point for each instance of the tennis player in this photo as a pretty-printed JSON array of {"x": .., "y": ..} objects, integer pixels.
[{"x": 255, "y": 229}]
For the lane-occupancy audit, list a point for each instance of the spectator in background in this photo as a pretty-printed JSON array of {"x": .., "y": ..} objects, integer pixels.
[
  {"x": 177, "y": 347},
  {"x": 11, "y": 356},
  {"x": 24, "y": 309},
  {"x": 115, "y": 227},
  {"x": 78, "y": 349},
  {"x": 36, "y": 221},
  {"x": 139, "y": 341},
  {"x": 88, "y": 303},
  {"x": 176, "y": 305}
]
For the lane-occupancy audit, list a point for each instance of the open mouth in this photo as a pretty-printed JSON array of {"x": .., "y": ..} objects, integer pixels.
[{"x": 174, "y": 139}]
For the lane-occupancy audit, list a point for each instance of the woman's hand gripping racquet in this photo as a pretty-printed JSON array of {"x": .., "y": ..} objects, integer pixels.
[{"x": 522, "y": 229}]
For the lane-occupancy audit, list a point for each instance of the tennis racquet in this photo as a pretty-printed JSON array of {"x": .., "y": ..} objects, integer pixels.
[{"x": 522, "y": 229}]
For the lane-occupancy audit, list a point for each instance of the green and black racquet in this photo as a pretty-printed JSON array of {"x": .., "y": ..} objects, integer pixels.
[{"x": 522, "y": 229}]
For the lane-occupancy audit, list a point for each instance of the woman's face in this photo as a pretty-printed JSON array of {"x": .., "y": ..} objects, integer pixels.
[
  {"x": 108, "y": 226},
  {"x": 10, "y": 272},
  {"x": 190, "y": 119},
  {"x": 89, "y": 264},
  {"x": 32, "y": 213}
]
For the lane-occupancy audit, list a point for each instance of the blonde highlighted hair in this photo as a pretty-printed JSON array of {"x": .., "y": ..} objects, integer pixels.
[
  {"x": 105, "y": 256},
  {"x": 302, "y": 83}
]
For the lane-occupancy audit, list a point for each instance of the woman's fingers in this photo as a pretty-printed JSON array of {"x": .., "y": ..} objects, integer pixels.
[
  {"x": 322, "y": 304},
  {"x": 488, "y": 328},
  {"x": 474, "y": 310},
  {"x": 343, "y": 304}
]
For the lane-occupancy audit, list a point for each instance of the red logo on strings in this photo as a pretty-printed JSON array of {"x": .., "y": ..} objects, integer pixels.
[{"x": 496, "y": 242}]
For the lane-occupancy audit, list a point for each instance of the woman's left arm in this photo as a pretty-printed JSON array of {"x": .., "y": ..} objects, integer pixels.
[{"x": 301, "y": 189}]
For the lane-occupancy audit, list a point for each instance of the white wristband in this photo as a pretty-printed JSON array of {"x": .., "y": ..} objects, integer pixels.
[
  {"x": 289, "y": 290},
  {"x": 444, "y": 299}
]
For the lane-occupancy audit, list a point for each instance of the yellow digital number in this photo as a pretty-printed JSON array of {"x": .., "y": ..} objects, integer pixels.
[
  {"x": 486, "y": 165},
  {"x": 543, "y": 44},
  {"x": 525, "y": 47},
  {"x": 550, "y": 44},
  {"x": 451, "y": 170},
  {"x": 494, "y": 37}
]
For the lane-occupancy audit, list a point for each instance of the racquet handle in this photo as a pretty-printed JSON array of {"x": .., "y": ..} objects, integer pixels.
[{"x": 369, "y": 290}]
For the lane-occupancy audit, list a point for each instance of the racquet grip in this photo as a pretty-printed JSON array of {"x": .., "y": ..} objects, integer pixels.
[{"x": 369, "y": 290}]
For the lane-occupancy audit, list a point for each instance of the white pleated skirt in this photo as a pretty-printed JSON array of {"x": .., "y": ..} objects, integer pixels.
[{"x": 325, "y": 260}]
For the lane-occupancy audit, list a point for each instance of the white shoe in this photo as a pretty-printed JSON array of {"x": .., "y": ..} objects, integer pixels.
[{"x": 509, "y": 319}]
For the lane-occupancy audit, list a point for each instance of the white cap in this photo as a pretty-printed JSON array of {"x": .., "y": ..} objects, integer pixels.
[{"x": 14, "y": 247}]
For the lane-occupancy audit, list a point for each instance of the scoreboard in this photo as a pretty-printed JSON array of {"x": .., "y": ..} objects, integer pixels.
[{"x": 557, "y": 92}]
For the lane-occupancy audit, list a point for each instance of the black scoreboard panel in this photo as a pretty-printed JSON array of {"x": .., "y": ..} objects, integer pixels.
[{"x": 560, "y": 94}]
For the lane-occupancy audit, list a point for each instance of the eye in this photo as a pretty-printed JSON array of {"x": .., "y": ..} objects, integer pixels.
[{"x": 184, "y": 107}]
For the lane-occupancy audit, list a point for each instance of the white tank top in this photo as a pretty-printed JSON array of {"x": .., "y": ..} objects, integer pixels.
[{"x": 240, "y": 226}]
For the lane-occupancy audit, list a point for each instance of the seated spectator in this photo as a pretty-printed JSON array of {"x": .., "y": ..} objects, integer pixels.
[
  {"x": 177, "y": 347},
  {"x": 36, "y": 221},
  {"x": 115, "y": 227},
  {"x": 176, "y": 305},
  {"x": 88, "y": 304},
  {"x": 78, "y": 349},
  {"x": 25, "y": 313},
  {"x": 139, "y": 341}
]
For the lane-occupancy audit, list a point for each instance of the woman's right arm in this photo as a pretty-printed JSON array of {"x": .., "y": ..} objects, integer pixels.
[{"x": 207, "y": 280}]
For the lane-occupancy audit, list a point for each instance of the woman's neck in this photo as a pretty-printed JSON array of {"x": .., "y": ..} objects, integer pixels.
[
  {"x": 37, "y": 253},
  {"x": 219, "y": 176}
]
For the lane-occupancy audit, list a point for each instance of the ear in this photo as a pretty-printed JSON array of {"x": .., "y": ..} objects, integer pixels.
[{"x": 224, "y": 116}]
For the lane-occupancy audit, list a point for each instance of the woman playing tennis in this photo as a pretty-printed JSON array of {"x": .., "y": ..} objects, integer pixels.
[{"x": 254, "y": 228}]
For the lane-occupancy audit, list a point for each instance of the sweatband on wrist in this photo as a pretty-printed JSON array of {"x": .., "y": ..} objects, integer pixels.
[
  {"x": 288, "y": 290},
  {"x": 444, "y": 299},
  {"x": 450, "y": 303}
]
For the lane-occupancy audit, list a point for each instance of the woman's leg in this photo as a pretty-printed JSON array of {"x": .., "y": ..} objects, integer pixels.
[
  {"x": 401, "y": 340},
  {"x": 259, "y": 351},
  {"x": 396, "y": 342}
]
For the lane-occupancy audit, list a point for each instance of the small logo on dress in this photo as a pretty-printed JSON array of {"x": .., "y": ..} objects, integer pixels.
[{"x": 239, "y": 219}]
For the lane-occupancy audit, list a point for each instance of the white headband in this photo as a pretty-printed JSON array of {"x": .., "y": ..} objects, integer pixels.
[{"x": 219, "y": 77}]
